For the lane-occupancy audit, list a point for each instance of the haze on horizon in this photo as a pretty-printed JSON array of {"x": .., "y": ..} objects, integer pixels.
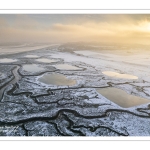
[{"x": 117, "y": 28}]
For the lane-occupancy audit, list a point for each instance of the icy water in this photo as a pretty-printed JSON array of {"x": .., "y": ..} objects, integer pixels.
[
  {"x": 32, "y": 68},
  {"x": 56, "y": 79},
  {"x": 45, "y": 60},
  {"x": 7, "y": 60},
  {"x": 31, "y": 56},
  {"x": 118, "y": 75},
  {"x": 122, "y": 98},
  {"x": 66, "y": 67}
]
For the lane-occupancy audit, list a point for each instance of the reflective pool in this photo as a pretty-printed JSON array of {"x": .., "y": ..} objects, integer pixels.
[
  {"x": 118, "y": 75},
  {"x": 32, "y": 68},
  {"x": 122, "y": 98},
  {"x": 56, "y": 79}
]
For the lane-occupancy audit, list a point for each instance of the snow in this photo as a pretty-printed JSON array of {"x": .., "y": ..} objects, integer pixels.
[{"x": 51, "y": 110}]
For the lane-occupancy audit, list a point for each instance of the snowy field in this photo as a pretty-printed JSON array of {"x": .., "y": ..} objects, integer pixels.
[{"x": 53, "y": 91}]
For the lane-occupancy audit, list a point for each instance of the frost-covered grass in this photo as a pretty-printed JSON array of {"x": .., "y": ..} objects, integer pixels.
[{"x": 50, "y": 110}]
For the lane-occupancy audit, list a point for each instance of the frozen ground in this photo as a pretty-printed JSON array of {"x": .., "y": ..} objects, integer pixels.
[{"x": 29, "y": 107}]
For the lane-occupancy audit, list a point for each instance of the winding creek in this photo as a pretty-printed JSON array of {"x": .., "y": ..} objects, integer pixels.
[
  {"x": 16, "y": 78},
  {"x": 74, "y": 109}
]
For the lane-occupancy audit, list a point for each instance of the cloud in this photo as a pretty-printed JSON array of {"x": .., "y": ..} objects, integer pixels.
[
  {"x": 3, "y": 23},
  {"x": 109, "y": 28}
]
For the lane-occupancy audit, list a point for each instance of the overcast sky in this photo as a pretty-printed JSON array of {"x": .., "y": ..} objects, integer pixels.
[{"x": 73, "y": 28}]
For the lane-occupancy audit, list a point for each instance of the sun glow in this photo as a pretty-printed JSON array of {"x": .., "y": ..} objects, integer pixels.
[
  {"x": 144, "y": 26},
  {"x": 55, "y": 28}
]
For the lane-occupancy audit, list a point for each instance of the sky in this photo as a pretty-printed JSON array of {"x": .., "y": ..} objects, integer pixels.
[{"x": 117, "y": 28}]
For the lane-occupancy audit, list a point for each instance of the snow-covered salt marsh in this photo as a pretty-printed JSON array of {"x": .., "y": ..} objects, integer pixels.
[
  {"x": 65, "y": 99},
  {"x": 118, "y": 75},
  {"x": 122, "y": 98},
  {"x": 66, "y": 67},
  {"x": 45, "y": 60},
  {"x": 56, "y": 79},
  {"x": 32, "y": 68},
  {"x": 7, "y": 60}
]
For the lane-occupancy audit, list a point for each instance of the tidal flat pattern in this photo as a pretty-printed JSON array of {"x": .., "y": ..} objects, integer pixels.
[{"x": 47, "y": 101}]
